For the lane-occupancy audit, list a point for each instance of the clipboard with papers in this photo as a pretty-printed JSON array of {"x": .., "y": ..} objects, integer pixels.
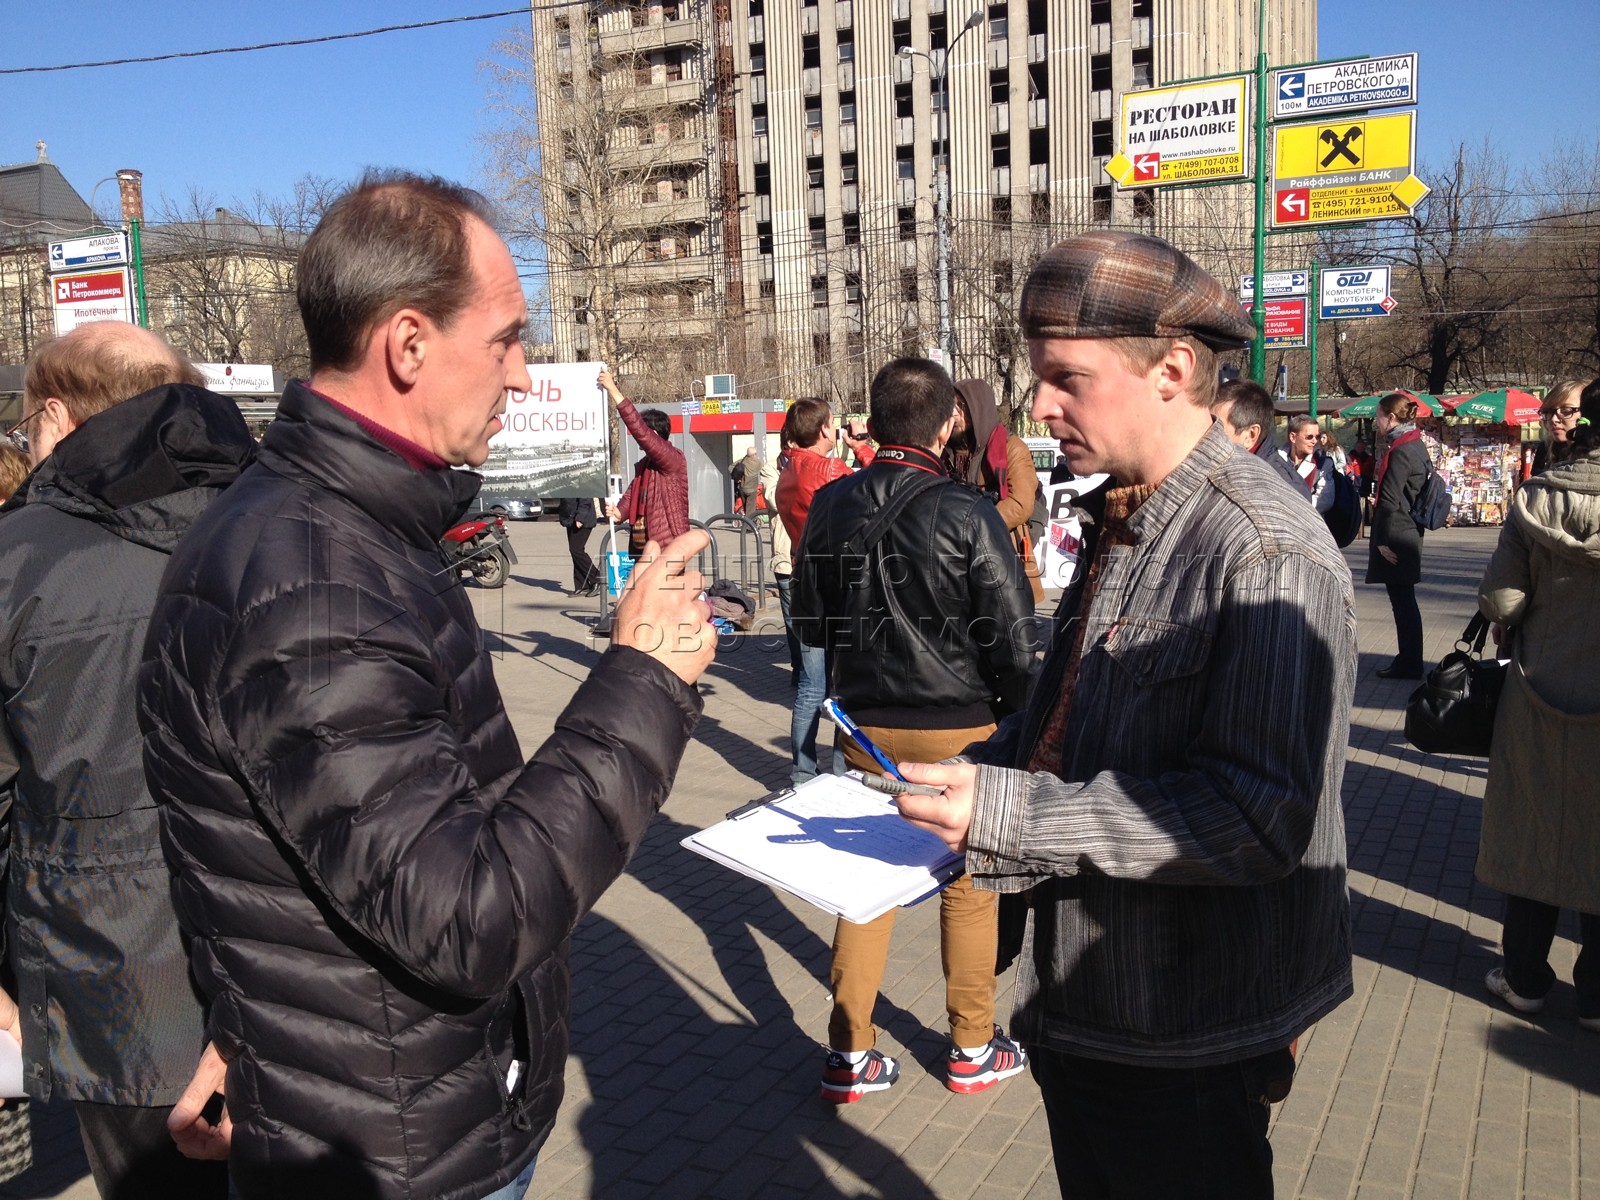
[{"x": 834, "y": 843}]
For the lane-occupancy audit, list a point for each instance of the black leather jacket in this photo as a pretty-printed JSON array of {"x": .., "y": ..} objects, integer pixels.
[
  {"x": 379, "y": 890},
  {"x": 931, "y": 628}
]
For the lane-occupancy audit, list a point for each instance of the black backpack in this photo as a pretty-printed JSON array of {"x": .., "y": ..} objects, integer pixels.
[
  {"x": 1344, "y": 518},
  {"x": 1431, "y": 508}
]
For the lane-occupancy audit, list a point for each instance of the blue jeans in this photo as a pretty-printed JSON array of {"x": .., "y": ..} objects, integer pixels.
[
  {"x": 785, "y": 584},
  {"x": 518, "y": 1187},
  {"x": 808, "y": 698}
]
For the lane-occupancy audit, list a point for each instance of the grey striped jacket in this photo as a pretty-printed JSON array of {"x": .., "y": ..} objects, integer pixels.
[{"x": 1187, "y": 868}]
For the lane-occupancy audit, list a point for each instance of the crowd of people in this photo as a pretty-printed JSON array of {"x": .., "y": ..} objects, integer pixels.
[{"x": 285, "y": 893}]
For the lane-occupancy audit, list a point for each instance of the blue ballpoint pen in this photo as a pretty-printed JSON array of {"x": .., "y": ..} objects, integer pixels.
[{"x": 834, "y": 713}]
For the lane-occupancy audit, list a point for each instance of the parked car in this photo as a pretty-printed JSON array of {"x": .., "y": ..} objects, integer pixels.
[{"x": 512, "y": 508}]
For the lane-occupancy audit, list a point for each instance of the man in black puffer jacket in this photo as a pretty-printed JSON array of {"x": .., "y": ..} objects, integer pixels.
[
  {"x": 379, "y": 890},
  {"x": 109, "y": 1018}
]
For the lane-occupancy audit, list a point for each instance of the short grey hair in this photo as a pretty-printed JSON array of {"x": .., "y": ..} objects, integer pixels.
[{"x": 1301, "y": 420}]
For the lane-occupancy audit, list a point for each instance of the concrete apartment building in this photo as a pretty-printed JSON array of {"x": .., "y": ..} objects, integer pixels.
[{"x": 748, "y": 185}]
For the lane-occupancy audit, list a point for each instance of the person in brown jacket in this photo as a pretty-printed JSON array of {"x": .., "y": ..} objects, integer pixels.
[{"x": 989, "y": 457}]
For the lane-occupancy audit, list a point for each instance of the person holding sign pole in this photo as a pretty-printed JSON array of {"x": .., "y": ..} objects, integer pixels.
[{"x": 656, "y": 504}]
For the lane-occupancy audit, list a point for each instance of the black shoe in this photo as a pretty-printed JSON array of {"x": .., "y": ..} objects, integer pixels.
[{"x": 1396, "y": 671}]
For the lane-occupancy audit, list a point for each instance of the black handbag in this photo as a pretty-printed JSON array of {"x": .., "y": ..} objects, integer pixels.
[{"x": 1453, "y": 711}]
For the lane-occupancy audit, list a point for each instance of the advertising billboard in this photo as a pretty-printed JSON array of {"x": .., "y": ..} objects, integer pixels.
[{"x": 552, "y": 440}]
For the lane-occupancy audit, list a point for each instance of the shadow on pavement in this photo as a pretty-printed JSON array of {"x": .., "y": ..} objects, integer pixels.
[
  {"x": 718, "y": 1106},
  {"x": 730, "y": 910}
]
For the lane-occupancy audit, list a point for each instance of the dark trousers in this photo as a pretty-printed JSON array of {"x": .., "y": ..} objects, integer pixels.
[
  {"x": 785, "y": 584},
  {"x": 584, "y": 573},
  {"x": 132, "y": 1156},
  {"x": 1407, "y": 623},
  {"x": 1154, "y": 1133},
  {"x": 1526, "y": 935}
]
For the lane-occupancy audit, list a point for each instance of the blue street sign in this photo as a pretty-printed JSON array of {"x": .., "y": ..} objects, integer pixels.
[
  {"x": 96, "y": 250},
  {"x": 1291, "y": 85},
  {"x": 1356, "y": 291}
]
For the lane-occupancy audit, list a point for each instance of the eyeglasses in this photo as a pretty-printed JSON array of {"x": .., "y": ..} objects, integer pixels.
[
  {"x": 1566, "y": 413},
  {"x": 15, "y": 435}
]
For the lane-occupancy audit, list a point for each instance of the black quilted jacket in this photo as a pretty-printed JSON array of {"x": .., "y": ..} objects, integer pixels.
[{"x": 379, "y": 890}]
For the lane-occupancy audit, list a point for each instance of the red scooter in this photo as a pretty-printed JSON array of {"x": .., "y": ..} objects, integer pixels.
[{"x": 480, "y": 548}]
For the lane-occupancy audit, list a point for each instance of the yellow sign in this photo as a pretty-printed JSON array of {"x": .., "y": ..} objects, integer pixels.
[
  {"x": 1191, "y": 133},
  {"x": 1345, "y": 170}
]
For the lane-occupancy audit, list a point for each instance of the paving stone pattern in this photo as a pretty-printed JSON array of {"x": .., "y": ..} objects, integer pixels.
[{"x": 700, "y": 997}]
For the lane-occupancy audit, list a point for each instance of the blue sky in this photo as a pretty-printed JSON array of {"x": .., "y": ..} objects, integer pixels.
[{"x": 1521, "y": 72}]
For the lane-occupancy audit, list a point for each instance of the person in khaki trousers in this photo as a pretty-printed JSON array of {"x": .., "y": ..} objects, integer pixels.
[{"x": 910, "y": 582}]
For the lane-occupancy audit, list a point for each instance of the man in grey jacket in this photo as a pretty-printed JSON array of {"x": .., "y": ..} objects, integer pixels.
[
  {"x": 108, "y": 1016},
  {"x": 1168, "y": 806}
]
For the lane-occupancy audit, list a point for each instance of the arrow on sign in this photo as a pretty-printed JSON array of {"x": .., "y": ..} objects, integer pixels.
[
  {"x": 1147, "y": 166},
  {"x": 1291, "y": 86},
  {"x": 1294, "y": 204},
  {"x": 1387, "y": 304}
]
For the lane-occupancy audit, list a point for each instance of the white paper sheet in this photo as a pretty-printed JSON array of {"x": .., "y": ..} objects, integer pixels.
[
  {"x": 834, "y": 843},
  {"x": 10, "y": 1067}
]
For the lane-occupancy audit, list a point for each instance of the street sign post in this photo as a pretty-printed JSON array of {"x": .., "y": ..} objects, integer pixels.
[
  {"x": 1346, "y": 292},
  {"x": 1339, "y": 170},
  {"x": 1279, "y": 283},
  {"x": 97, "y": 250},
  {"x": 1190, "y": 133},
  {"x": 89, "y": 296},
  {"x": 1361, "y": 83},
  {"x": 1286, "y": 322}
]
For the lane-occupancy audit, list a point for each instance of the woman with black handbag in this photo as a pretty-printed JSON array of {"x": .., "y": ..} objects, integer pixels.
[
  {"x": 1540, "y": 842},
  {"x": 1395, "y": 556}
]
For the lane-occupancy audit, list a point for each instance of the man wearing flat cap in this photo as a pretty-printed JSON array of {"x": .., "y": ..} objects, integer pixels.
[{"x": 1164, "y": 819}]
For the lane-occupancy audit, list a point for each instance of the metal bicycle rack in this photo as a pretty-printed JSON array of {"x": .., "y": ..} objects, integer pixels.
[{"x": 748, "y": 568}]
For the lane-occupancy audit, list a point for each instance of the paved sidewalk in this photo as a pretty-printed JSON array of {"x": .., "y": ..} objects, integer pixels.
[{"x": 699, "y": 996}]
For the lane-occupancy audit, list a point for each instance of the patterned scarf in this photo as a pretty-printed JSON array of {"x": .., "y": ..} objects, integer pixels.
[{"x": 1121, "y": 504}]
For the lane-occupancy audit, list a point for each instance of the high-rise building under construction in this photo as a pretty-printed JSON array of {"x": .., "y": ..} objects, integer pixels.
[{"x": 750, "y": 185}]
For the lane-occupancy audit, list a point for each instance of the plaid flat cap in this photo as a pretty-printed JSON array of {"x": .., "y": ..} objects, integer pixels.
[{"x": 1109, "y": 284}]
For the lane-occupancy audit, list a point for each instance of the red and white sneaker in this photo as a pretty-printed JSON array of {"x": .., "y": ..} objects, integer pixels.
[
  {"x": 1000, "y": 1059},
  {"x": 845, "y": 1084}
]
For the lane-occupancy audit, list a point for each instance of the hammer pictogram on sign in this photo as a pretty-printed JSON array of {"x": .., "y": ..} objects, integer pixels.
[{"x": 1341, "y": 145}]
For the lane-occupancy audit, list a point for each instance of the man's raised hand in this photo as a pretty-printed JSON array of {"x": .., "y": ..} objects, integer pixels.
[{"x": 660, "y": 612}]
